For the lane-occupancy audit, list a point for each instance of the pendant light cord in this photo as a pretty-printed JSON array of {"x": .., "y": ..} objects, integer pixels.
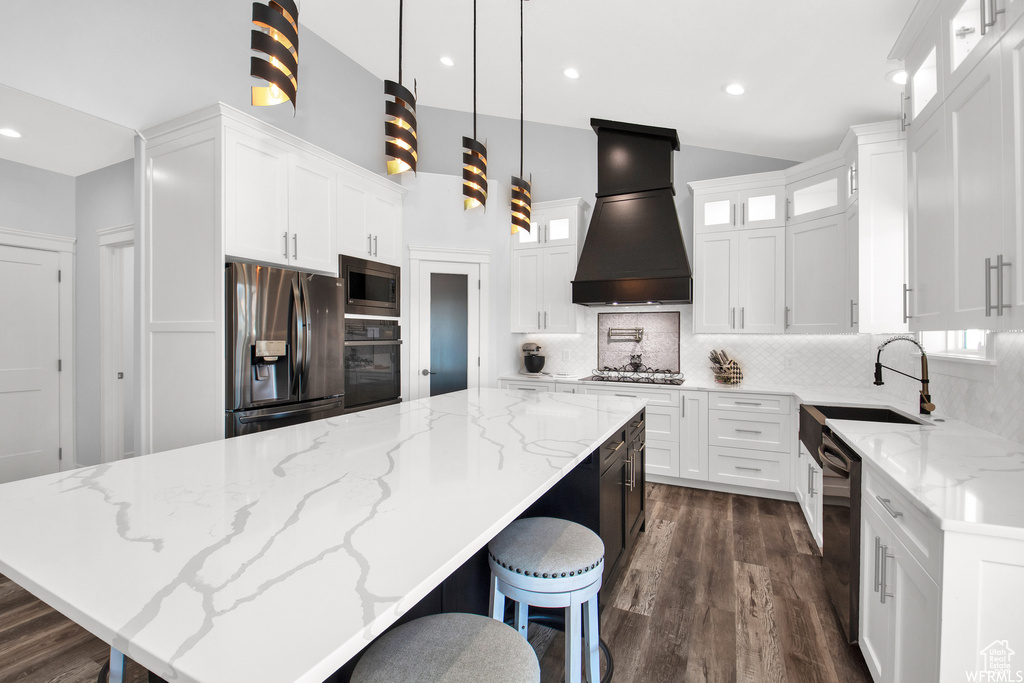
[
  {"x": 400, "y": 12},
  {"x": 474, "y": 69},
  {"x": 520, "y": 88}
]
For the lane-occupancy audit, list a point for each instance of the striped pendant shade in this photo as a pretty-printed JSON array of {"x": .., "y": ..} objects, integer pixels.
[
  {"x": 521, "y": 205},
  {"x": 277, "y": 37},
  {"x": 400, "y": 128},
  {"x": 474, "y": 174}
]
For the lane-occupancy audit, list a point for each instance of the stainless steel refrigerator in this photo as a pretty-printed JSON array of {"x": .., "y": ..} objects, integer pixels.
[{"x": 285, "y": 336}]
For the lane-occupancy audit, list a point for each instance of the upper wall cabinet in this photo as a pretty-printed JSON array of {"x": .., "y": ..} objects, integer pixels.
[
  {"x": 369, "y": 219},
  {"x": 971, "y": 29},
  {"x": 554, "y": 224},
  {"x": 822, "y": 194},
  {"x": 1008, "y": 281},
  {"x": 816, "y": 276},
  {"x": 742, "y": 202}
]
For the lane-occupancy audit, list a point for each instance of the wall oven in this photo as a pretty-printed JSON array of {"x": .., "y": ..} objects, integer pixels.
[
  {"x": 372, "y": 360},
  {"x": 371, "y": 288}
]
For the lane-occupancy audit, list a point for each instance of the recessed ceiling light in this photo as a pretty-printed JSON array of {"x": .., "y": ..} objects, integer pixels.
[
  {"x": 899, "y": 76},
  {"x": 10, "y": 132},
  {"x": 734, "y": 89},
  {"x": 571, "y": 73},
  {"x": 447, "y": 61}
]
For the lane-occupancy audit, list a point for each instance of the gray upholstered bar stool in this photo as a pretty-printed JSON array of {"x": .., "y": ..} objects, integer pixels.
[
  {"x": 546, "y": 562},
  {"x": 449, "y": 648}
]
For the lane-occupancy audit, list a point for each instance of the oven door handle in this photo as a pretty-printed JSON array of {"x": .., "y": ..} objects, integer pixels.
[{"x": 387, "y": 342}]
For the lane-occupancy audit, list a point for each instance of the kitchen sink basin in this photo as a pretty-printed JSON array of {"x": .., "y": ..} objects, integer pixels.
[{"x": 865, "y": 414}]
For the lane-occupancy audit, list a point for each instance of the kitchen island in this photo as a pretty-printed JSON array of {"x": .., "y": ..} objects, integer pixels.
[{"x": 278, "y": 556}]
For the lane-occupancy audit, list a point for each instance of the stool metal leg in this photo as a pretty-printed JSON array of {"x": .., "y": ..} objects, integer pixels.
[
  {"x": 116, "y": 667},
  {"x": 591, "y": 640}
]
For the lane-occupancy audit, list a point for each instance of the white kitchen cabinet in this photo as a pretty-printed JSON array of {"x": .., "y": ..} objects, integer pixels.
[
  {"x": 929, "y": 227},
  {"x": 750, "y": 445},
  {"x": 693, "y": 437},
  {"x": 1011, "y": 277},
  {"x": 739, "y": 283},
  {"x": 900, "y": 604},
  {"x": 555, "y": 223},
  {"x": 529, "y": 386},
  {"x": 369, "y": 219},
  {"x": 807, "y": 486},
  {"x": 852, "y": 229},
  {"x": 542, "y": 290},
  {"x": 278, "y": 203},
  {"x": 817, "y": 273},
  {"x": 754, "y": 201},
  {"x": 980, "y": 198},
  {"x": 816, "y": 196},
  {"x": 971, "y": 30}
]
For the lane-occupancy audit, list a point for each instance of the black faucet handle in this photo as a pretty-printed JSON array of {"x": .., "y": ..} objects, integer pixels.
[{"x": 878, "y": 375}]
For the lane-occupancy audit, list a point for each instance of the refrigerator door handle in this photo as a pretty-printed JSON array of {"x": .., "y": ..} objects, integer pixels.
[
  {"x": 307, "y": 335},
  {"x": 240, "y": 295},
  {"x": 299, "y": 338},
  {"x": 285, "y": 413}
]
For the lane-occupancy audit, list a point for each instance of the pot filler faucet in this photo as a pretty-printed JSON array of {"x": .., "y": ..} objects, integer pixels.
[{"x": 926, "y": 400}]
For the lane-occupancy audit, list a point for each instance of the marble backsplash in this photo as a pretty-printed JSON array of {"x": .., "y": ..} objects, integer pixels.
[{"x": 658, "y": 346}]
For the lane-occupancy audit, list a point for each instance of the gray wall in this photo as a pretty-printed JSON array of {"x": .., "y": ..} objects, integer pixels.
[
  {"x": 103, "y": 199},
  {"x": 36, "y": 200}
]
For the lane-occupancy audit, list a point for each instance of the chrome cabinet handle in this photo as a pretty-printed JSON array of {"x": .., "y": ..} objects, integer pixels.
[
  {"x": 744, "y": 213},
  {"x": 369, "y": 245},
  {"x": 748, "y": 469},
  {"x": 295, "y": 245},
  {"x": 627, "y": 395},
  {"x": 984, "y": 21},
  {"x": 1000, "y": 264},
  {"x": 545, "y": 320},
  {"x": 788, "y": 202},
  {"x": 732, "y": 318},
  {"x": 810, "y": 480},
  {"x": 747, "y": 403},
  {"x": 993, "y": 12},
  {"x": 787, "y": 318},
  {"x": 904, "y": 124},
  {"x": 887, "y": 504},
  {"x": 748, "y": 431},
  {"x": 734, "y": 214},
  {"x": 885, "y": 579},
  {"x": 538, "y": 320},
  {"x": 853, "y": 304},
  {"x": 906, "y": 303},
  {"x": 988, "y": 282},
  {"x": 878, "y": 563},
  {"x": 521, "y": 388},
  {"x": 286, "y": 245},
  {"x": 743, "y": 317},
  {"x": 374, "y": 245}
]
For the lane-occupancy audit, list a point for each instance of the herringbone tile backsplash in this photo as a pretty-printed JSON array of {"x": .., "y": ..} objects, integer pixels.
[{"x": 994, "y": 400}]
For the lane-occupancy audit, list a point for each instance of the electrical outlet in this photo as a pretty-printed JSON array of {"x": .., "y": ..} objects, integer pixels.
[
  {"x": 789, "y": 361},
  {"x": 566, "y": 355}
]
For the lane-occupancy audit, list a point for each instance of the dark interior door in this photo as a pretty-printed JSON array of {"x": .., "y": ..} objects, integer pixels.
[{"x": 449, "y": 332}]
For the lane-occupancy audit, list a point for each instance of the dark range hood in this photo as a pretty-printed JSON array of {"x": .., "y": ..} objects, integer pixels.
[{"x": 633, "y": 252}]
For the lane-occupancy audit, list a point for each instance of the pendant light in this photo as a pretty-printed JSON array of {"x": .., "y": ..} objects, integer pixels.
[
  {"x": 521, "y": 199},
  {"x": 277, "y": 36},
  {"x": 474, "y": 156},
  {"x": 400, "y": 128}
]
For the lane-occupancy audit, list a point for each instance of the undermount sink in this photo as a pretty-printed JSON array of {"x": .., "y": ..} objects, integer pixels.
[{"x": 865, "y": 414}]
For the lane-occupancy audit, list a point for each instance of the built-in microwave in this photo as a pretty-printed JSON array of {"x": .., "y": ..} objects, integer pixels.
[{"x": 371, "y": 288}]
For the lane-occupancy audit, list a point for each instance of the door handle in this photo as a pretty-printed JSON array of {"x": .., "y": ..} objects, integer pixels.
[
  {"x": 426, "y": 372},
  {"x": 298, "y": 339},
  {"x": 307, "y": 335}
]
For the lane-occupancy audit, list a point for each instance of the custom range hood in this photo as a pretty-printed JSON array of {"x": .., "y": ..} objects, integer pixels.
[{"x": 633, "y": 252}]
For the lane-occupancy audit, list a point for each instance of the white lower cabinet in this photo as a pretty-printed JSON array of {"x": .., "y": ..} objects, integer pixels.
[
  {"x": 750, "y": 440},
  {"x": 527, "y": 386},
  {"x": 900, "y": 605},
  {"x": 808, "y": 488}
]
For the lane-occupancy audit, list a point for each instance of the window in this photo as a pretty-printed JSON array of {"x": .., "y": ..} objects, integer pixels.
[{"x": 963, "y": 344}]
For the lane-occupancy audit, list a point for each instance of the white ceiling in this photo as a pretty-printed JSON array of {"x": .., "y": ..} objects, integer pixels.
[
  {"x": 811, "y": 68},
  {"x": 58, "y": 138}
]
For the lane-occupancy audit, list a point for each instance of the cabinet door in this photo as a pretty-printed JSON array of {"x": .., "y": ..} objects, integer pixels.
[
  {"x": 975, "y": 152},
  {"x": 256, "y": 199},
  {"x": 1013, "y": 137},
  {"x": 851, "y": 224},
  {"x": 929, "y": 232},
  {"x": 874, "y": 616},
  {"x": 693, "y": 436},
  {"x": 763, "y": 207},
  {"x": 761, "y": 282},
  {"x": 613, "y": 531},
  {"x": 558, "y": 267},
  {"x": 820, "y": 195},
  {"x": 312, "y": 215},
  {"x": 714, "y": 283},
  {"x": 815, "y": 505},
  {"x": 560, "y": 226},
  {"x": 526, "y": 291},
  {"x": 970, "y": 34},
  {"x": 800, "y": 480},
  {"x": 529, "y": 386},
  {"x": 914, "y": 617},
  {"x": 384, "y": 227},
  {"x": 534, "y": 237},
  {"x": 816, "y": 269},
  {"x": 715, "y": 211},
  {"x": 353, "y": 198},
  {"x": 634, "y": 492}
]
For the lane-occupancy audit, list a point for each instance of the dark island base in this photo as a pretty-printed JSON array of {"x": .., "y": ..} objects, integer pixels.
[{"x": 604, "y": 493}]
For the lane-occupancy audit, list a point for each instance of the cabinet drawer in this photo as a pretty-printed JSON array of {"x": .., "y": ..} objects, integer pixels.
[
  {"x": 744, "y": 430},
  {"x": 662, "y": 423},
  {"x": 915, "y": 529},
  {"x": 665, "y": 397},
  {"x": 662, "y": 458},
  {"x": 528, "y": 386},
  {"x": 746, "y": 467},
  {"x": 751, "y": 403}
]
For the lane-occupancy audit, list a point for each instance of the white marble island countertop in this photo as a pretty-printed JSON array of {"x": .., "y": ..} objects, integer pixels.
[{"x": 277, "y": 556}]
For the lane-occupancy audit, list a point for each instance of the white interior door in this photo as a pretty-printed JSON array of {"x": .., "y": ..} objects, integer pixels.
[
  {"x": 448, "y": 297},
  {"x": 29, "y": 354}
]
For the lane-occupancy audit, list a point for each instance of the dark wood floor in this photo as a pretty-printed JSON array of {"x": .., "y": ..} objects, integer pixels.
[{"x": 719, "y": 588}]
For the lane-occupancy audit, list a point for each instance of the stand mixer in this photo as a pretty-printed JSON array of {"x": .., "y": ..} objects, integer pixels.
[{"x": 532, "y": 360}]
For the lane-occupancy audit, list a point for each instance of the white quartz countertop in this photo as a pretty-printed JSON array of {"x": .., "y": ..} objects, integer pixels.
[
  {"x": 276, "y": 557},
  {"x": 965, "y": 478}
]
